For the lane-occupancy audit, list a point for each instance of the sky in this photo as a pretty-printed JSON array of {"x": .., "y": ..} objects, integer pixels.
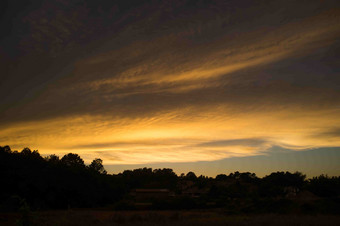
[{"x": 205, "y": 86}]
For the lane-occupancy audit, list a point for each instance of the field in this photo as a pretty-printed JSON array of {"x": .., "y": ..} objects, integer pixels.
[{"x": 164, "y": 218}]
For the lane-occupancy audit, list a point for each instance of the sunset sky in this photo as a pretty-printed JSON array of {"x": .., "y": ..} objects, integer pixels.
[{"x": 193, "y": 85}]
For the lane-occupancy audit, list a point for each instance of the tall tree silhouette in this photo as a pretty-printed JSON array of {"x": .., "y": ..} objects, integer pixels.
[{"x": 97, "y": 166}]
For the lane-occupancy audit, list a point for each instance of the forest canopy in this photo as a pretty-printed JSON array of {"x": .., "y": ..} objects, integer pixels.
[{"x": 50, "y": 182}]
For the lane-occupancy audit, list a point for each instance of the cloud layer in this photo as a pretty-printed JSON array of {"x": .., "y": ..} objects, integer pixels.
[{"x": 176, "y": 84}]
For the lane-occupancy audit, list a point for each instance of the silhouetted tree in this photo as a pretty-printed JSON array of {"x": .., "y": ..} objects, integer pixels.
[
  {"x": 97, "y": 166},
  {"x": 6, "y": 149},
  {"x": 73, "y": 160},
  {"x": 286, "y": 179},
  {"x": 191, "y": 176},
  {"x": 221, "y": 177},
  {"x": 248, "y": 177},
  {"x": 164, "y": 178},
  {"x": 52, "y": 158},
  {"x": 275, "y": 183},
  {"x": 26, "y": 151},
  {"x": 325, "y": 186}
]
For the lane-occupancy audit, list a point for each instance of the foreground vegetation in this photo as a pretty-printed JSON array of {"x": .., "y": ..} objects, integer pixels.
[
  {"x": 33, "y": 183},
  {"x": 165, "y": 218}
]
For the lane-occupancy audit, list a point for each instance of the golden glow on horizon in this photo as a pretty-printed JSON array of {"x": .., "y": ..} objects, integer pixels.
[{"x": 171, "y": 140}]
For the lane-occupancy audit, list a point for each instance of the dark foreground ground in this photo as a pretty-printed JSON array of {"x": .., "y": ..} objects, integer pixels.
[{"x": 197, "y": 218}]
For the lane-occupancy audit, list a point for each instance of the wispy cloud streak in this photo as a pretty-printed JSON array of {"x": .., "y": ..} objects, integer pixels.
[{"x": 188, "y": 89}]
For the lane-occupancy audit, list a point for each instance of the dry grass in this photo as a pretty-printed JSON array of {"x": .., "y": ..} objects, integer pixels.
[{"x": 164, "y": 218}]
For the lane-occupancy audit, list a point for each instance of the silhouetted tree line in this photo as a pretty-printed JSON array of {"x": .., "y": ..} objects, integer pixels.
[
  {"x": 51, "y": 182},
  {"x": 30, "y": 180}
]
